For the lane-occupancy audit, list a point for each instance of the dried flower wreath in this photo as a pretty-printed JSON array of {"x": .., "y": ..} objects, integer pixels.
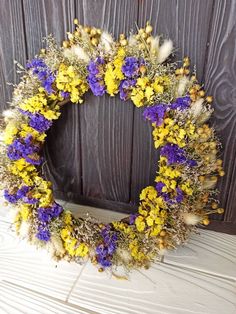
[{"x": 136, "y": 69}]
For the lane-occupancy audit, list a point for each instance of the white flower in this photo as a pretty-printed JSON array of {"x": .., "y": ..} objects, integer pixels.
[
  {"x": 76, "y": 51},
  {"x": 132, "y": 40},
  {"x": 183, "y": 82},
  {"x": 164, "y": 51},
  {"x": 154, "y": 45},
  {"x": 191, "y": 219},
  {"x": 106, "y": 41},
  {"x": 197, "y": 107},
  {"x": 8, "y": 113}
]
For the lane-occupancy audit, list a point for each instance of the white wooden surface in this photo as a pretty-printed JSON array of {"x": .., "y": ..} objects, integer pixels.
[{"x": 197, "y": 278}]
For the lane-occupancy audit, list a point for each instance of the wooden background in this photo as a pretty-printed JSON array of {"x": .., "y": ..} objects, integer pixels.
[{"x": 101, "y": 153}]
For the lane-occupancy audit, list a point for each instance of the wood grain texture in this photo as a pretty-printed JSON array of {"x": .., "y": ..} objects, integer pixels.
[
  {"x": 220, "y": 78},
  {"x": 12, "y": 47},
  {"x": 17, "y": 300},
  {"x": 163, "y": 289},
  {"x": 44, "y": 17},
  {"x": 23, "y": 264},
  {"x": 187, "y": 24},
  {"x": 106, "y": 123},
  {"x": 208, "y": 252}
]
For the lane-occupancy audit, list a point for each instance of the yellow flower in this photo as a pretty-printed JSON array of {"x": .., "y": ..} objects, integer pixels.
[
  {"x": 149, "y": 221},
  {"x": 143, "y": 82},
  {"x": 25, "y": 211},
  {"x": 68, "y": 218},
  {"x": 25, "y": 130},
  {"x": 149, "y": 93},
  {"x": 155, "y": 230},
  {"x": 186, "y": 188},
  {"x": 39, "y": 104},
  {"x": 10, "y": 133},
  {"x": 169, "y": 172},
  {"x": 68, "y": 80},
  {"x": 82, "y": 250},
  {"x": 140, "y": 224},
  {"x": 113, "y": 74},
  {"x": 66, "y": 232},
  {"x": 149, "y": 192},
  {"x": 24, "y": 170},
  {"x": 138, "y": 97}
]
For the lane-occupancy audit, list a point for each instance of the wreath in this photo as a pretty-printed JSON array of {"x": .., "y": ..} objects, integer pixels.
[{"x": 137, "y": 68}]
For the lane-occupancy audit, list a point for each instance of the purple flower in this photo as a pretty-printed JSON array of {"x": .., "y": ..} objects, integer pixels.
[
  {"x": 65, "y": 94},
  {"x": 132, "y": 218},
  {"x": 46, "y": 214},
  {"x": 39, "y": 122},
  {"x": 175, "y": 154},
  {"x": 57, "y": 210},
  {"x": 181, "y": 103},
  {"x": 168, "y": 197},
  {"x": 131, "y": 66},
  {"x": 30, "y": 200},
  {"x": 125, "y": 88},
  {"x": 43, "y": 234},
  {"x": 104, "y": 262},
  {"x": 106, "y": 249},
  {"x": 191, "y": 162},
  {"x": 179, "y": 195},
  {"x": 11, "y": 198},
  {"x": 14, "y": 197},
  {"x": 23, "y": 191},
  {"x": 159, "y": 186},
  {"x": 155, "y": 113},
  {"x": 24, "y": 148},
  {"x": 43, "y": 72},
  {"x": 95, "y": 79}
]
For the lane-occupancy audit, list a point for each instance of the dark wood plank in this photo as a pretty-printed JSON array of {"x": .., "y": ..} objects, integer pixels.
[
  {"x": 220, "y": 78},
  {"x": 107, "y": 123},
  {"x": 12, "y": 47},
  {"x": 62, "y": 150},
  {"x": 187, "y": 24},
  {"x": 44, "y": 17}
]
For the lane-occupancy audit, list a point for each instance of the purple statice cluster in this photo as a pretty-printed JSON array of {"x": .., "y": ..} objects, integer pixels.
[
  {"x": 37, "y": 121},
  {"x": 24, "y": 148},
  {"x": 181, "y": 103},
  {"x": 22, "y": 194},
  {"x": 132, "y": 218},
  {"x": 155, "y": 113},
  {"x": 131, "y": 67},
  {"x": 45, "y": 215},
  {"x": 106, "y": 249},
  {"x": 131, "y": 71},
  {"x": 175, "y": 154},
  {"x": 125, "y": 87},
  {"x": 167, "y": 197},
  {"x": 43, "y": 233},
  {"x": 43, "y": 72},
  {"x": 95, "y": 76}
]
